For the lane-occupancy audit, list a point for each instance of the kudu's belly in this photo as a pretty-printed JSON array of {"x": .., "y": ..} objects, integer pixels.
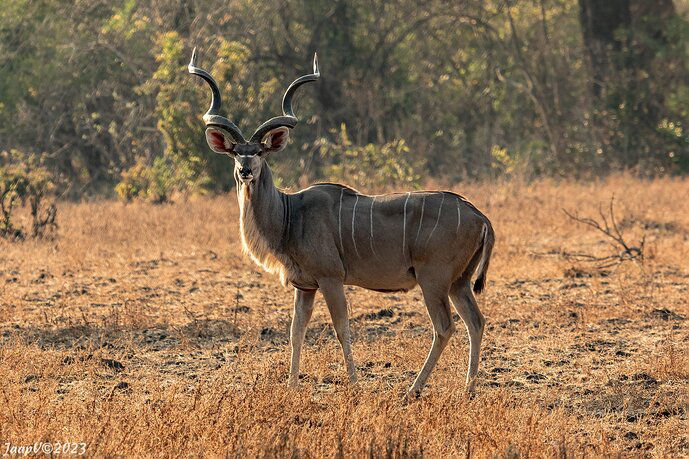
[{"x": 381, "y": 277}]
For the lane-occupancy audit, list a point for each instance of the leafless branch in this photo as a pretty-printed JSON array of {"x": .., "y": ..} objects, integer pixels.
[{"x": 609, "y": 227}]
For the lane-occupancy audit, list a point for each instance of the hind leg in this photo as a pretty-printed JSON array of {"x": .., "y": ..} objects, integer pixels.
[
  {"x": 465, "y": 304},
  {"x": 438, "y": 306}
]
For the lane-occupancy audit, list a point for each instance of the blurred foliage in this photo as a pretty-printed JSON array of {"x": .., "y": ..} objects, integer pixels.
[
  {"x": 451, "y": 90},
  {"x": 158, "y": 182},
  {"x": 371, "y": 166},
  {"x": 24, "y": 181}
]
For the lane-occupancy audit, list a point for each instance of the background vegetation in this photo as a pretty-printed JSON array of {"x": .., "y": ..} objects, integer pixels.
[{"x": 455, "y": 90}]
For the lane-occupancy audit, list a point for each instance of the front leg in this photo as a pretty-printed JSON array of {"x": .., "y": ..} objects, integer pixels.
[
  {"x": 303, "y": 308},
  {"x": 333, "y": 292}
]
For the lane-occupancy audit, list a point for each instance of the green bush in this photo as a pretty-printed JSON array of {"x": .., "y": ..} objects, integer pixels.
[
  {"x": 369, "y": 166},
  {"x": 157, "y": 182},
  {"x": 24, "y": 181}
]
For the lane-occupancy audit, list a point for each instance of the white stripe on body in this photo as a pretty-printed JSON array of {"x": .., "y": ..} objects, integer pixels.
[
  {"x": 353, "y": 215},
  {"x": 404, "y": 228},
  {"x": 423, "y": 204},
  {"x": 440, "y": 209},
  {"x": 339, "y": 221},
  {"x": 371, "y": 217},
  {"x": 459, "y": 217}
]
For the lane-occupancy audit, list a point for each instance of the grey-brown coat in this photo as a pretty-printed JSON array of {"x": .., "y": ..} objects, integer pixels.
[{"x": 329, "y": 235}]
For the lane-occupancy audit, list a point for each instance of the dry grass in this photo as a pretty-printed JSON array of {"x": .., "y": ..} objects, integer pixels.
[{"x": 143, "y": 330}]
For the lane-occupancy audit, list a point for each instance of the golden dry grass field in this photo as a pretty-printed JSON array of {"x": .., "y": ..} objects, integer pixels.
[{"x": 143, "y": 330}]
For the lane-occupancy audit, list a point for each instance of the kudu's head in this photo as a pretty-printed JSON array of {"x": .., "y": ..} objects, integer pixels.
[{"x": 224, "y": 137}]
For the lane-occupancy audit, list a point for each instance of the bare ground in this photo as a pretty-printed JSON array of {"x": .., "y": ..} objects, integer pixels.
[{"x": 144, "y": 330}]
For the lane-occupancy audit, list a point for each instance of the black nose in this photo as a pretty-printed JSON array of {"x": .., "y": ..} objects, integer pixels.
[{"x": 245, "y": 172}]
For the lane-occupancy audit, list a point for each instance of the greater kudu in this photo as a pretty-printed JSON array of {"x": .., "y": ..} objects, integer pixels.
[{"x": 330, "y": 235}]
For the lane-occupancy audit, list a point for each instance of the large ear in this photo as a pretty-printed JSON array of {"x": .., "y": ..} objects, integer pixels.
[
  {"x": 220, "y": 141},
  {"x": 275, "y": 140}
]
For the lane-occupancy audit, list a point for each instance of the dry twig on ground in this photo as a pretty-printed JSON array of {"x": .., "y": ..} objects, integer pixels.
[{"x": 609, "y": 227}]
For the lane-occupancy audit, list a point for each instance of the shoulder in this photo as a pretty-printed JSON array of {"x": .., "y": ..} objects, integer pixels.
[
  {"x": 325, "y": 190},
  {"x": 331, "y": 186}
]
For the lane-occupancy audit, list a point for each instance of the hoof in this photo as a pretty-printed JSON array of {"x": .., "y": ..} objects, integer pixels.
[
  {"x": 471, "y": 387},
  {"x": 411, "y": 395},
  {"x": 353, "y": 379}
]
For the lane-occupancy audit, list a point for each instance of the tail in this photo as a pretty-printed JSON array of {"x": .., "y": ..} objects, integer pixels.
[{"x": 487, "y": 244}]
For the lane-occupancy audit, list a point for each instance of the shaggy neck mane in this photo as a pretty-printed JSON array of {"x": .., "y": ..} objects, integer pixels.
[{"x": 264, "y": 222}]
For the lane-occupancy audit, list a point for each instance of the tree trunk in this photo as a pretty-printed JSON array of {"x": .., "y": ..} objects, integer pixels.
[
  {"x": 601, "y": 22},
  {"x": 630, "y": 75}
]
